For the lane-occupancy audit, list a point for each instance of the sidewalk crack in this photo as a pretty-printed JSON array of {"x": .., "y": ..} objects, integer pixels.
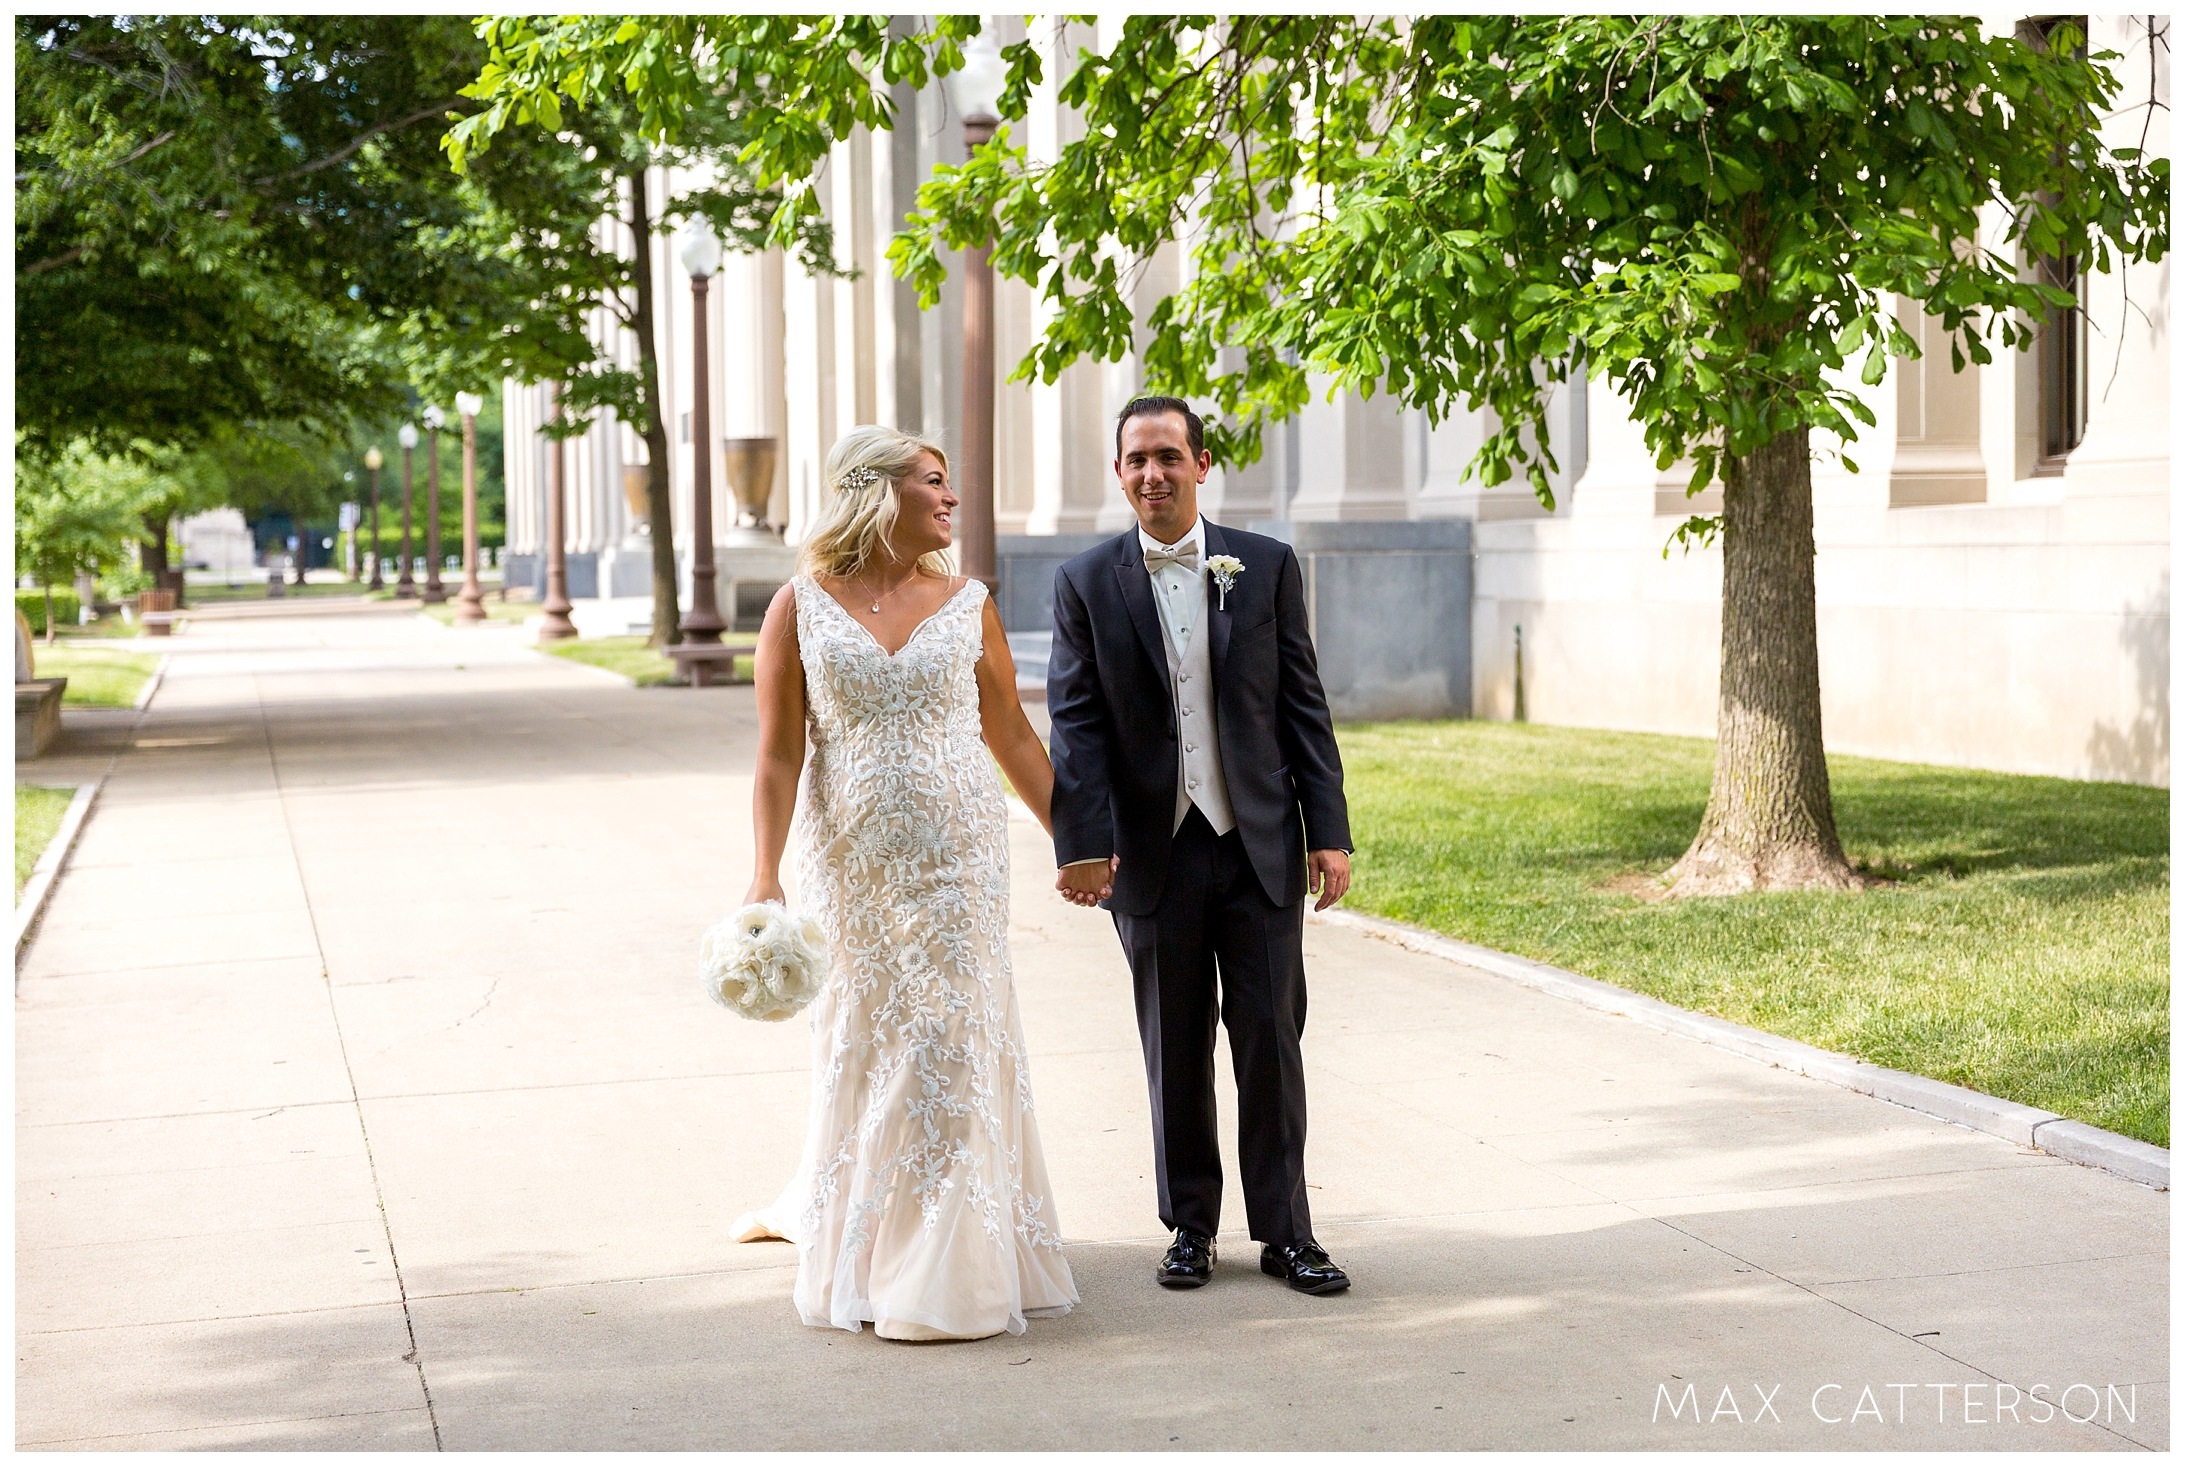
[{"x": 414, "y": 1357}]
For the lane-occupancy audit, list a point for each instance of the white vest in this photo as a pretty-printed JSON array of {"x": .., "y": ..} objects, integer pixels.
[{"x": 1198, "y": 744}]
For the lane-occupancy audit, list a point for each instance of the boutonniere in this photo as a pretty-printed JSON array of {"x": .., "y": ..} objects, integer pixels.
[{"x": 1225, "y": 569}]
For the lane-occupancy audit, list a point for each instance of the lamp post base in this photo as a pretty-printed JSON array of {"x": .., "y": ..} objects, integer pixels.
[
  {"x": 557, "y": 627},
  {"x": 435, "y": 593}
]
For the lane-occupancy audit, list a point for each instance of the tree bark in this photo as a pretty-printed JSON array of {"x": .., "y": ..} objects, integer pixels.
[
  {"x": 1769, "y": 824},
  {"x": 157, "y": 563},
  {"x": 659, "y": 483}
]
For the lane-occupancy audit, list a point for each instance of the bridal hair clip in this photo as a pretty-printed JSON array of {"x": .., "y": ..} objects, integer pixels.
[
  {"x": 764, "y": 962},
  {"x": 858, "y": 480}
]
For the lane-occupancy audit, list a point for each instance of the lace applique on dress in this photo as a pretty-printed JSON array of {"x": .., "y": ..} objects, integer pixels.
[{"x": 923, "y": 1197}]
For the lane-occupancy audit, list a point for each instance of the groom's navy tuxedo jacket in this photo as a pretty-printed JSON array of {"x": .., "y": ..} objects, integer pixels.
[{"x": 1112, "y": 715}]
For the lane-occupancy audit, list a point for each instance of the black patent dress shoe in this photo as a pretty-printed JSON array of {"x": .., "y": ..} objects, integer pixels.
[
  {"x": 1306, "y": 1266},
  {"x": 1189, "y": 1261}
]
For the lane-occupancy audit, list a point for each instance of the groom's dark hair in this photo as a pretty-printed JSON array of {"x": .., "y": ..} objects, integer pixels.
[{"x": 1153, "y": 407}]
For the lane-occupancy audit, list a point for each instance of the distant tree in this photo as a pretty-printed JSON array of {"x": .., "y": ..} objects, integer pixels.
[
  {"x": 1710, "y": 211},
  {"x": 609, "y": 151},
  {"x": 225, "y": 221},
  {"x": 76, "y": 512},
  {"x": 617, "y": 149},
  {"x": 267, "y": 472}
]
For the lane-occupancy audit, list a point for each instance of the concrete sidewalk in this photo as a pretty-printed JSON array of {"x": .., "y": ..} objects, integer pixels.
[{"x": 367, "y": 1098}]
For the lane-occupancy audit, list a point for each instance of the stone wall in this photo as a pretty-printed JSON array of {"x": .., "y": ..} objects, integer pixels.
[{"x": 1390, "y": 606}]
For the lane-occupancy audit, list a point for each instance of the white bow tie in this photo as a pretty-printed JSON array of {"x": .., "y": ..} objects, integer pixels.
[{"x": 1159, "y": 557}]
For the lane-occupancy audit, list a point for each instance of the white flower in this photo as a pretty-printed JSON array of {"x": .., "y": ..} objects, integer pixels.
[
  {"x": 763, "y": 961},
  {"x": 1225, "y": 569}
]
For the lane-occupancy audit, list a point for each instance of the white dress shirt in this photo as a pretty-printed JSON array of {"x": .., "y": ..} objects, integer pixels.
[{"x": 1179, "y": 594}]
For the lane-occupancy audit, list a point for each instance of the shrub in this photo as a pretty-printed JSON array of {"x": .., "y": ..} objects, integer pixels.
[{"x": 32, "y": 603}]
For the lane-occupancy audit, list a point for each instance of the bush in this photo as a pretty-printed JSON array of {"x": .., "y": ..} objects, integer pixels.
[
  {"x": 32, "y": 603},
  {"x": 124, "y": 581}
]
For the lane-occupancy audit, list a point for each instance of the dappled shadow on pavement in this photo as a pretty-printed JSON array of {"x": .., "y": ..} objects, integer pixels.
[{"x": 1459, "y": 1334}]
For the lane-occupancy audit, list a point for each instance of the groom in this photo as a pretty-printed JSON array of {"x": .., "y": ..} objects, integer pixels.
[{"x": 1199, "y": 795}]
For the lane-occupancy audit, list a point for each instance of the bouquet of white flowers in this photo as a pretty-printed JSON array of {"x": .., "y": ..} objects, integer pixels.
[{"x": 764, "y": 961}]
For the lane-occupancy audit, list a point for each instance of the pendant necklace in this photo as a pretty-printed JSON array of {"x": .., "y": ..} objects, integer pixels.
[{"x": 899, "y": 585}]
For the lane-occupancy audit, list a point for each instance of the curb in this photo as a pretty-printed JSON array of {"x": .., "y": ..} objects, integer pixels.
[
  {"x": 151, "y": 686},
  {"x": 2022, "y": 1125},
  {"x": 46, "y": 873}
]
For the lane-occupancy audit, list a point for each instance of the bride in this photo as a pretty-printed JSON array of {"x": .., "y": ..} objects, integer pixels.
[{"x": 921, "y": 1203}]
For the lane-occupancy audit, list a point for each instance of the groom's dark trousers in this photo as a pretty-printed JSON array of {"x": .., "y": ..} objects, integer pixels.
[
  {"x": 1214, "y": 917},
  {"x": 1210, "y": 925}
]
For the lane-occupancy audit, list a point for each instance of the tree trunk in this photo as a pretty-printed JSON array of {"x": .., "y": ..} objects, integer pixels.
[
  {"x": 154, "y": 558},
  {"x": 667, "y": 629},
  {"x": 1769, "y": 825}
]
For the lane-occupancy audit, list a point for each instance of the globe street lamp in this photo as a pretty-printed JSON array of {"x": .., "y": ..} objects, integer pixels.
[
  {"x": 470, "y": 605},
  {"x": 407, "y": 436},
  {"x": 557, "y": 626},
  {"x": 699, "y": 248},
  {"x": 352, "y": 520},
  {"x": 435, "y": 593},
  {"x": 405, "y": 585},
  {"x": 976, "y": 90},
  {"x": 373, "y": 458}
]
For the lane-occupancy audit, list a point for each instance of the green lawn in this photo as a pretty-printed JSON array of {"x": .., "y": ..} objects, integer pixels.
[
  {"x": 38, "y": 813},
  {"x": 2022, "y": 949},
  {"x": 495, "y": 608},
  {"x": 96, "y": 677},
  {"x": 628, "y": 656},
  {"x": 100, "y": 628}
]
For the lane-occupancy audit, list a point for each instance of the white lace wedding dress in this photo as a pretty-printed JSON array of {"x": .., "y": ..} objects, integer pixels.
[{"x": 921, "y": 1203}]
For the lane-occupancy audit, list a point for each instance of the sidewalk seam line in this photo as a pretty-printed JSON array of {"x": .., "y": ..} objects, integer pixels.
[{"x": 371, "y": 1160}]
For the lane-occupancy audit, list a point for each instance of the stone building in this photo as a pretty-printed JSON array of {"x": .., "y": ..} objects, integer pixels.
[{"x": 1993, "y": 587}]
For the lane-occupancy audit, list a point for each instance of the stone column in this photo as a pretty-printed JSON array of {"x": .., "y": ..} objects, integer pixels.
[
  {"x": 2126, "y": 447},
  {"x": 1620, "y": 476},
  {"x": 808, "y": 378},
  {"x": 1351, "y": 458},
  {"x": 1937, "y": 455}
]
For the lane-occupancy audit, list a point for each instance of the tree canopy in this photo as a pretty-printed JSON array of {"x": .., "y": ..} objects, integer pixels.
[
  {"x": 247, "y": 220},
  {"x": 1716, "y": 213},
  {"x": 1708, "y": 210}
]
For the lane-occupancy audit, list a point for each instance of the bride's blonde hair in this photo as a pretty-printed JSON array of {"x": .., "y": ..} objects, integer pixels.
[{"x": 864, "y": 473}]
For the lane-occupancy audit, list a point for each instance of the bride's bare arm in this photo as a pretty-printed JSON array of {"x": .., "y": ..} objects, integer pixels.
[
  {"x": 1008, "y": 733},
  {"x": 780, "y": 680}
]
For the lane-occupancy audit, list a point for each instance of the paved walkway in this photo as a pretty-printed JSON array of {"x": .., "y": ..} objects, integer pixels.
[{"x": 367, "y": 1099}]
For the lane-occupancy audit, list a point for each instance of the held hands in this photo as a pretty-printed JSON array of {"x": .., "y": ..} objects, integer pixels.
[{"x": 1086, "y": 884}]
